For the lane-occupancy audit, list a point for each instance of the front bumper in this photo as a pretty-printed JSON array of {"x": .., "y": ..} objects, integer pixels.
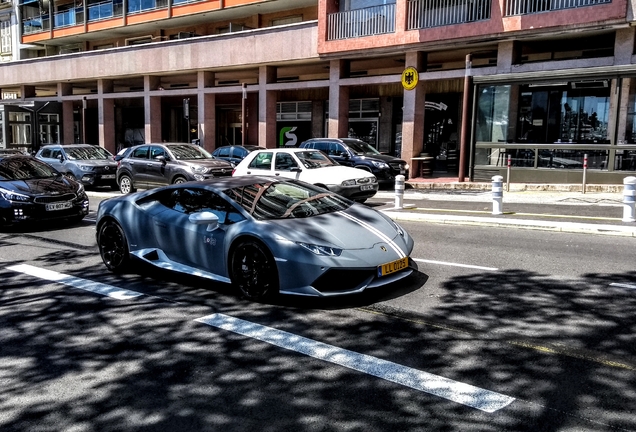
[
  {"x": 12, "y": 212},
  {"x": 355, "y": 192}
]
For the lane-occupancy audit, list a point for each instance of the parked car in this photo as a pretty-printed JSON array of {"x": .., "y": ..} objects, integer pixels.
[
  {"x": 311, "y": 166},
  {"x": 90, "y": 164},
  {"x": 153, "y": 165},
  {"x": 31, "y": 190},
  {"x": 9, "y": 152},
  {"x": 234, "y": 153},
  {"x": 264, "y": 235},
  {"x": 359, "y": 154}
]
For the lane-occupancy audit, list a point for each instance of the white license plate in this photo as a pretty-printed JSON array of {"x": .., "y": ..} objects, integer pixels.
[
  {"x": 393, "y": 266},
  {"x": 59, "y": 206},
  {"x": 108, "y": 176},
  {"x": 366, "y": 187}
]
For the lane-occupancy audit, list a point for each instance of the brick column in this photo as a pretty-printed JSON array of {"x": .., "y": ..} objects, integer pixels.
[
  {"x": 266, "y": 107},
  {"x": 106, "y": 116},
  {"x": 152, "y": 110},
  {"x": 338, "y": 100},
  {"x": 206, "y": 104},
  {"x": 413, "y": 115}
]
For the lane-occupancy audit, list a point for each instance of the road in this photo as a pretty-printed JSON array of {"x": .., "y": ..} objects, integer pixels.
[{"x": 501, "y": 329}]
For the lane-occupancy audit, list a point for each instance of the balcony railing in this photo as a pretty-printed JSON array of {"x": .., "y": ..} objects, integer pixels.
[
  {"x": 68, "y": 17},
  {"x": 36, "y": 24},
  {"x": 105, "y": 10},
  {"x": 435, "y": 13},
  {"x": 524, "y": 7},
  {"x": 361, "y": 22},
  {"x": 138, "y": 6}
]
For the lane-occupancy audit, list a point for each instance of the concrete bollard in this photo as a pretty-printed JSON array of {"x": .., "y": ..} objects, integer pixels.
[
  {"x": 629, "y": 199},
  {"x": 497, "y": 194},
  {"x": 399, "y": 191}
]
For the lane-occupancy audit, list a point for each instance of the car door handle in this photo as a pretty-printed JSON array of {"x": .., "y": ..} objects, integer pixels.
[
  {"x": 161, "y": 225},
  {"x": 249, "y": 172},
  {"x": 277, "y": 174}
]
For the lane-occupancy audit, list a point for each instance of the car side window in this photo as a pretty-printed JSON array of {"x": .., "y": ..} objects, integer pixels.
[
  {"x": 156, "y": 151},
  {"x": 262, "y": 161},
  {"x": 46, "y": 153},
  {"x": 337, "y": 150},
  {"x": 224, "y": 152},
  {"x": 321, "y": 146},
  {"x": 55, "y": 154},
  {"x": 140, "y": 153},
  {"x": 284, "y": 162},
  {"x": 191, "y": 200},
  {"x": 239, "y": 152}
]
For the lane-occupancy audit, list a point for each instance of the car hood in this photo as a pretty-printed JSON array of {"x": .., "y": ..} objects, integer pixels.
[
  {"x": 333, "y": 174},
  {"x": 354, "y": 228},
  {"x": 96, "y": 162},
  {"x": 208, "y": 163},
  {"x": 54, "y": 185},
  {"x": 383, "y": 158}
]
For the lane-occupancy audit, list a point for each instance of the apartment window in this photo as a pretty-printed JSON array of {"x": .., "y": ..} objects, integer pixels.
[
  {"x": 5, "y": 33},
  {"x": 287, "y": 20}
]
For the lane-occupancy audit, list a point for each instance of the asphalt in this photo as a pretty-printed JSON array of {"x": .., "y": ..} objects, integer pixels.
[{"x": 563, "y": 208}]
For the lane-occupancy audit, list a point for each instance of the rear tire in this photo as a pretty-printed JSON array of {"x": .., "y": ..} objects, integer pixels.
[
  {"x": 253, "y": 270},
  {"x": 126, "y": 184},
  {"x": 113, "y": 246}
]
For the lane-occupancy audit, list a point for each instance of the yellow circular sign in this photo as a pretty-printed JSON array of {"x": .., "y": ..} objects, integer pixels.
[{"x": 410, "y": 77}]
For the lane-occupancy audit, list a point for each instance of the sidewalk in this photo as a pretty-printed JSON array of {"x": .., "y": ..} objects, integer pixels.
[{"x": 561, "y": 208}]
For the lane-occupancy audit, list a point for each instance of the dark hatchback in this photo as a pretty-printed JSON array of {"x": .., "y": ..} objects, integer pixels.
[
  {"x": 152, "y": 165},
  {"x": 359, "y": 154},
  {"x": 31, "y": 190},
  {"x": 234, "y": 153}
]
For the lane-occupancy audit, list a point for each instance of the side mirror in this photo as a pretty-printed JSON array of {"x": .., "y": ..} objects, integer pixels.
[
  {"x": 61, "y": 157},
  {"x": 295, "y": 169},
  {"x": 344, "y": 154},
  {"x": 161, "y": 159},
  {"x": 204, "y": 218}
]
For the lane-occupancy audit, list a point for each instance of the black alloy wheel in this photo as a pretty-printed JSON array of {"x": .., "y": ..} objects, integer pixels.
[
  {"x": 253, "y": 270},
  {"x": 179, "y": 180},
  {"x": 113, "y": 246}
]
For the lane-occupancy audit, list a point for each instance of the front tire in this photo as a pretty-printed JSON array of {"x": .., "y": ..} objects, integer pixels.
[
  {"x": 253, "y": 270},
  {"x": 126, "y": 185},
  {"x": 179, "y": 180},
  {"x": 113, "y": 246}
]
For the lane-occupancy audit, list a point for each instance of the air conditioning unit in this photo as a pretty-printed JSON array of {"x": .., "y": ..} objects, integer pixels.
[{"x": 589, "y": 84}]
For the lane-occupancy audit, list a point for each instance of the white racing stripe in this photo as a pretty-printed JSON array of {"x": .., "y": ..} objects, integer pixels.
[
  {"x": 96, "y": 287},
  {"x": 466, "y": 394},
  {"x": 377, "y": 232},
  {"x": 623, "y": 285},
  {"x": 455, "y": 264}
]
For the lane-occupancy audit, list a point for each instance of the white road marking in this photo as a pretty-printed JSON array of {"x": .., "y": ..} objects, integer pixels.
[
  {"x": 622, "y": 285},
  {"x": 96, "y": 287},
  {"x": 456, "y": 264},
  {"x": 466, "y": 394}
]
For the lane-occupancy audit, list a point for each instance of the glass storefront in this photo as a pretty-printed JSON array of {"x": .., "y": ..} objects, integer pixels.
[{"x": 550, "y": 126}]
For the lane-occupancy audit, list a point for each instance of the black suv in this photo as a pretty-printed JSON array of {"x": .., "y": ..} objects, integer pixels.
[
  {"x": 234, "y": 153},
  {"x": 359, "y": 154},
  {"x": 152, "y": 165}
]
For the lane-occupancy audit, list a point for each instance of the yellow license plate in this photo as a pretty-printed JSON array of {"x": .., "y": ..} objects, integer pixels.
[{"x": 393, "y": 266}]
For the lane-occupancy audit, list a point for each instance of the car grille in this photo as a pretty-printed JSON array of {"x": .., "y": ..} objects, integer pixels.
[
  {"x": 54, "y": 198},
  {"x": 397, "y": 167},
  {"x": 221, "y": 172},
  {"x": 104, "y": 170},
  {"x": 336, "y": 280}
]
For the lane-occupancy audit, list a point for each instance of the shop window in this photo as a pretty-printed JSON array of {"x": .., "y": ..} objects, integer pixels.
[
  {"x": 492, "y": 113},
  {"x": 576, "y": 112}
]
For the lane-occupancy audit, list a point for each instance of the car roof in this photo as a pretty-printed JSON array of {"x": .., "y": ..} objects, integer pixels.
[{"x": 284, "y": 149}]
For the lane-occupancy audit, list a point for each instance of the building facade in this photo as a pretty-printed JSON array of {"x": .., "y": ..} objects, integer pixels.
[{"x": 542, "y": 83}]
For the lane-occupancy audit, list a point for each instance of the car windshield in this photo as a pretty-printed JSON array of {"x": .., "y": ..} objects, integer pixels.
[
  {"x": 314, "y": 159},
  {"x": 88, "y": 153},
  {"x": 19, "y": 168},
  {"x": 288, "y": 199},
  {"x": 188, "y": 152},
  {"x": 361, "y": 148}
]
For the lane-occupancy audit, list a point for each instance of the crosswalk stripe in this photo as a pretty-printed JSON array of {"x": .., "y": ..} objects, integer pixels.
[
  {"x": 96, "y": 287},
  {"x": 466, "y": 394}
]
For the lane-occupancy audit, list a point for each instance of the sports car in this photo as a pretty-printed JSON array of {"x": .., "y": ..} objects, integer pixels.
[{"x": 264, "y": 235}]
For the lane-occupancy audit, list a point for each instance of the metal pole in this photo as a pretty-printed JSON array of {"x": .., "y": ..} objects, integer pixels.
[
  {"x": 243, "y": 98},
  {"x": 84, "y": 103},
  {"x": 508, "y": 173},
  {"x": 584, "y": 172},
  {"x": 463, "y": 143}
]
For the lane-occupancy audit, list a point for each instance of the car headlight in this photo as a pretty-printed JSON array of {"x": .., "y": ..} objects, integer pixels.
[
  {"x": 380, "y": 165},
  {"x": 349, "y": 182},
  {"x": 199, "y": 169},
  {"x": 85, "y": 167},
  {"x": 80, "y": 188},
  {"x": 320, "y": 250},
  {"x": 14, "y": 196}
]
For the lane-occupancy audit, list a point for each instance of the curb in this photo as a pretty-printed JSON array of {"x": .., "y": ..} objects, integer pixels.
[
  {"x": 568, "y": 227},
  {"x": 514, "y": 187}
]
